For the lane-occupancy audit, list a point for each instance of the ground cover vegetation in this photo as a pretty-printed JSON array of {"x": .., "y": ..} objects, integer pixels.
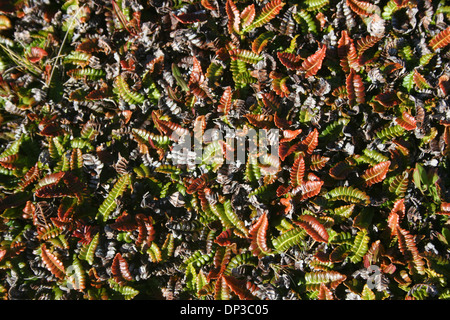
[{"x": 95, "y": 94}]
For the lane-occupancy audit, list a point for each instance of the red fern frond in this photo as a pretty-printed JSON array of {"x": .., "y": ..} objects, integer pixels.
[
  {"x": 225, "y": 101},
  {"x": 29, "y": 177},
  {"x": 407, "y": 246},
  {"x": 355, "y": 88},
  {"x": 420, "y": 81},
  {"x": 377, "y": 173},
  {"x": 238, "y": 287},
  {"x": 261, "y": 42},
  {"x": 289, "y": 135},
  {"x": 248, "y": 15},
  {"x": 200, "y": 91},
  {"x": 234, "y": 17},
  {"x": 258, "y": 237},
  {"x": 279, "y": 84},
  {"x": 396, "y": 215},
  {"x": 362, "y": 8},
  {"x": 221, "y": 290},
  {"x": 297, "y": 172},
  {"x": 53, "y": 264},
  {"x": 340, "y": 170},
  {"x": 353, "y": 58},
  {"x": 308, "y": 189},
  {"x": 444, "y": 85},
  {"x": 271, "y": 101},
  {"x": 270, "y": 11},
  {"x": 98, "y": 94},
  {"x": 313, "y": 63},
  {"x": 53, "y": 191},
  {"x": 281, "y": 123},
  {"x": 441, "y": 40},
  {"x": 259, "y": 120},
  {"x": 283, "y": 190},
  {"x": 317, "y": 162},
  {"x": 146, "y": 231},
  {"x": 169, "y": 128},
  {"x": 313, "y": 227},
  {"x": 344, "y": 46},
  {"x": 445, "y": 208},
  {"x": 220, "y": 262},
  {"x": 388, "y": 99},
  {"x": 196, "y": 75},
  {"x": 208, "y": 5},
  {"x": 325, "y": 293},
  {"x": 366, "y": 43},
  {"x": 197, "y": 184},
  {"x": 406, "y": 121},
  {"x": 224, "y": 238},
  {"x": 286, "y": 202},
  {"x": 310, "y": 142},
  {"x": 284, "y": 150},
  {"x": 290, "y": 60},
  {"x": 120, "y": 269},
  {"x": 372, "y": 256},
  {"x": 88, "y": 45}
]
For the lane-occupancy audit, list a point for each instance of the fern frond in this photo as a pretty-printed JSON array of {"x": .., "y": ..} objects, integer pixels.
[
  {"x": 261, "y": 41},
  {"x": 312, "y": 64},
  {"x": 248, "y": 15},
  {"x": 258, "y": 237},
  {"x": 362, "y": 8},
  {"x": 441, "y": 40},
  {"x": 355, "y": 88},
  {"x": 120, "y": 269},
  {"x": 109, "y": 204},
  {"x": 270, "y": 11},
  {"x": 245, "y": 56},
  {"x": 392, "y": 132},
  {"x": 289, "y": 239},
  {"x": 233, "y": 217},
  {"x": 88, "y": 250},
  {"x": 290, "y": 60},
  {"x": 407, "y": 246},
  {"x": 348, "y": 194},
  {"x": 313, "y": 228},
  {"x": 332, "y": 279},
  {"x": 53, "y": 264},
  {"x": 86, "y": 73},
  {"x": 360, "y": 246},
  {"x": 78, "y": 277},
  {"x": 131, "y": 97},
  {"x": 234, "y": 17},
  {"x": 297, "y": 172},
  {"x": 376, "y": 173}
]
